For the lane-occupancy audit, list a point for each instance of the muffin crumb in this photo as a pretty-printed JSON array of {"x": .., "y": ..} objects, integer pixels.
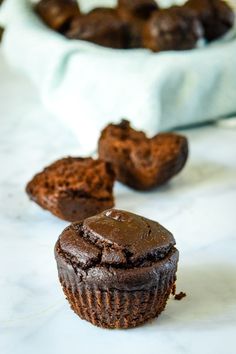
[{"x": 180, "y": 296}]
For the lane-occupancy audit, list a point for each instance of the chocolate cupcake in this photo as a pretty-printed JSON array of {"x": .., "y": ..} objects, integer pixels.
[
  {"x": 175, "y": 28},
  {"x": 117, "y": 269},
  {"x": 102, "y": 26},
  {"x": 216, "y": 16},
  {"x": 57, "y": 14},
  {"x": 74, "y": 188},
  {"x": 138, "y": 161}
]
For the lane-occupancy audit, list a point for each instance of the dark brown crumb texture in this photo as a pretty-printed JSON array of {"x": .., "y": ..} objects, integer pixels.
[
  {"x": 73, "y": 188},
  {"x": 180, "y": 296},
  {"x": 138, "y": 161}
]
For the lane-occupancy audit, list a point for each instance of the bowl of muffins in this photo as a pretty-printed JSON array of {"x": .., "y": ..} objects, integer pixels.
[
  {"x": 99, "y": 61},
  {"x": 140, "y": 23}
]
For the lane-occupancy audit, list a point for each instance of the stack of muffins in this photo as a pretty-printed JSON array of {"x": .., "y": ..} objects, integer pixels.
[
  {"x": 117, "y": 269},
  {"x": 140, "y": 23}
]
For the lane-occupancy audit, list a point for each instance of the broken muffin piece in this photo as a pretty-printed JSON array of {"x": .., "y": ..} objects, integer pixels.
[
  {"x": 74, "y": 188},
  {"x": 138, "y": 161}
]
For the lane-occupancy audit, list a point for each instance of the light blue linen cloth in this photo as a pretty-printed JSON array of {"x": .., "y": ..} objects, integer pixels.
[{"x": 88, "y": 86}]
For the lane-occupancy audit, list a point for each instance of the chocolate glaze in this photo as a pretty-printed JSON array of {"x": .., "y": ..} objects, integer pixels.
[{"x": 118, "y": 249}]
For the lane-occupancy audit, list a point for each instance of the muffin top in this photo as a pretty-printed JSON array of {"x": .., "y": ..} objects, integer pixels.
[
  {"x": 115, "y": 238},
  {"x": 174, "y": 28},
  {"x": 57, "y": 13},
  {"x": 216, "y": 16},
  {"x": 218, "y": 9},
  {"x": 102, "y": 26}
]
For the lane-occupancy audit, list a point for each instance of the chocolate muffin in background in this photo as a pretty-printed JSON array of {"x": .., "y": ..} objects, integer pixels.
[
  {"x": 117, "y": 269},
  {"x": 175, "y": 28},
  {"x": 216, "y": 16},
  {"x": 73, "y": 188},
  {"x": 57, "y": 14},
  {"x": 135, "y": 13},
  {"x": 134, "y": 30},
  {"x": 140, "y": 23},
  {"x": 102, "y": 26},
  {"x": 139, "y": 162},
  {"x": 138, "y": 8}
]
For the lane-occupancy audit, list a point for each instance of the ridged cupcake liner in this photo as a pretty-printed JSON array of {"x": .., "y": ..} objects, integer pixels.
[{"x": 113, "y": 308}]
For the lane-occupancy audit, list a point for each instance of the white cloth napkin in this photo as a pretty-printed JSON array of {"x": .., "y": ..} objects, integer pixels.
[{"x": 88, "y": 86}]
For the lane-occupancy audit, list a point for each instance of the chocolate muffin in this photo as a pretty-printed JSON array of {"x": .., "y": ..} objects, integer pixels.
[
  {"x": 134, "y": 28},
  {"x": 139, "y": 162},
  {"x": 73, "y": 188},
  {"x": 117, "y": 269},
  {"x": 135, "y": 13},
  {"x": 57, "y": 14},
  {"x": 216, "y": 16},
  {"x": 138, "y": 8},
  {"x": 102, "y": 26},
  {"x": 175, "y": 28}
]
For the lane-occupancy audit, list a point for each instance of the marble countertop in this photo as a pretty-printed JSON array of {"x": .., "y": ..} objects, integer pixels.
[{"x": 198, "y": 206}]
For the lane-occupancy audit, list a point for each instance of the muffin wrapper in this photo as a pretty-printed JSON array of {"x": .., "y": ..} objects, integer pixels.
[{"x": 112, "y": 308}]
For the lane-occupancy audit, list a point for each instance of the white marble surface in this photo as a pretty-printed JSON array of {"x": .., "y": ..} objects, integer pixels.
[{"x": 199, "y": 207}]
